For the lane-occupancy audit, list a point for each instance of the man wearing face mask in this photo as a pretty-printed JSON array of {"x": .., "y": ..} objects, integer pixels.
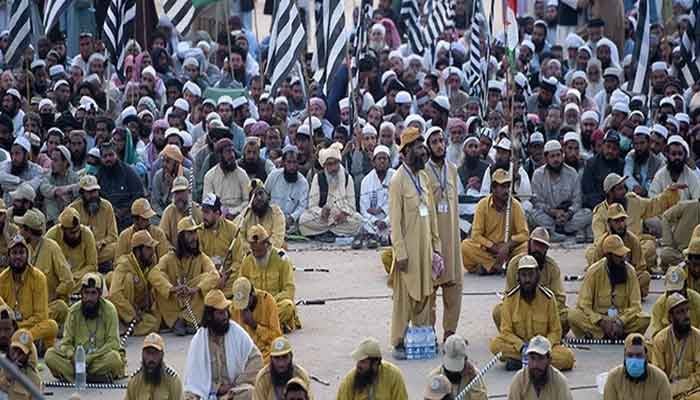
[
  {"x": 289, "y": 189},
  {"x": 181, "y": 206},
  {"x": 676, "y": 170},
  {"x": 636, "y": 378},
  {"x": 540, "y": 379},
  {"x": 459, "y": 371},
  {"x": 76, "y": 241}
]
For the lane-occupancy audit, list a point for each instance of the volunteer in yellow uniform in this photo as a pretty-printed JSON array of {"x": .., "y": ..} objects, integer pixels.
[
  {"x": 155, "y": 380},
  {"x": 141, "y": 214},
  {"x": 674, "y": 282},
  {"x": 282, "y": 363},
  {"x": 77, "y": 243},
  {"x": 181, "y": 207},
  {"x": 636, "y": 378}
]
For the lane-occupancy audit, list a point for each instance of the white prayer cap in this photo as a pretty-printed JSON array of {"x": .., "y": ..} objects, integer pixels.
[
  {"x": 575, "y": 92},
  {"x": 190, "y": 61},
  {"x": 415, "y": 118},
  {"x": 536, "y": 137},
  {"x": 683, "y": 117},
  {"x": 225, "y": 100},
  {"x": 676, "y": 139},
  {"x": 369, "y": 130},
  {"x": 281, "y": 100},
  {"x": 673, "y": 121},
  {"x": 471, "y": 139},
  {"x": 192, "y": 88},
  {"x": 552, "y": 3},
  {"x": 572, "y": 106},
  {"x": 378, "y": 28},
  {"x": 23, "y": 142},
  {"x": 387, "y": 125},
  {"x": 57, "y": 70},
  {"x": 239, "y": 101},
  {"x": 60, "y": 83},
  {"x": 315, "y": 123},
  {"x": 496, "y": 85},
  {"x": 574, "y": 41},
  {"x": 660, "y": 130},
  {"x": 304, "y": 130},
  {"x": 627, "y": 60},
  {"x": 612, "y": 71},
  {"x": 344, "y": 103},
  {"x": 642, "y": 130},
  {"x": 37, "y": 64},
  {"x": 46, "y": 103},
  {"x": 182, "y": 104},
  {"x": 621, "y": 107},
  {"x": 659, "y": 66},
  {"x": 379, "y": 149},
  {"x": 552, "y": 145},
  {"x": 667, "y": 101},
  {"x": 571, "y": 136},
  {"x": 442, "y": 102},
  {"x": 451, "y": 71},
  {"x": 332, "y": 152},
  {"x": 637, "y": 112},
  {"x": 248, "y": 122},
  {"x": 520, "y": 80},
  {"x": 588, "y": 115},
  {"x": 403, "y": 97},
  {"x": 395, "y": 54},
  {"x": 503, "y": 144},
  {"x": 528, "y": 43},
  {"x": 386, "y": 75},
  {"x": 431, "y": 131},
  {"x": 202, "y": 44}
]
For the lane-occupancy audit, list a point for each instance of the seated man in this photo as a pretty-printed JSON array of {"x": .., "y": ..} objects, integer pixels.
[
  {"x": 692, "y": 265},
  {"x": 97, "y": 214},
  {"x": 675, "y": 350},
  {"x": 47, "y": 256},
  {"x": 256, "y": 311},
  {"x": 607, "y": 161},
  {"x": 182, "y": 278},
  {"x": 154, "y": 376},
  {"x": 269, "y": 269},
  {"x": 23, "y": 355},
  {"x": 540, "y": 379},
  {"x": 259, "y": 212},
  {"x": 678, "y": 224},
  {"x": 374, "y": 199},
  {"x": 181, "y": 207},
  {"x": 131, "y": 292},
  {"x": 372, "y": 375},
  {"x": 222, "y": 359},
  {"x": 93, "y": 324},
  {"x": 7, "y": 231},
  {"x": 77, "y": 243},
  {"x": 141, "y": 214},
  {"x": 216, "y": 235},
  {"x": 617, "y": 225},
  {"x": 459, "y": 370},
  {"x": 636, "y": 378},
  {"x": 530, "y": 310},
  {"x": 288, "y": 188},
  {"x": 331, "y": 209},
  {"x": 227, "y": 180},
  {"x": 557, "y": 197},
  {"x": 674, "y": 282},
  {"x": 609, "y": 303},
  {"x": 550, "y": 276},
  {"x": 280, "y": 371},
  {"x": 23, "y": 288},
  {"x": 488, "y": 249},
  {"x": 641, "y": 163}
]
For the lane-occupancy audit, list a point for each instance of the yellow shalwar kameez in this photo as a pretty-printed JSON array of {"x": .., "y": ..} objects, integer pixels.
[
  {"x": 216, "y": 241},
  {"x": 170, "y": 387},
  {"x": 132, "y": 295},
  {"x": 124, "y": 242},
  {"x": 594, "y": 253},
  {"x": 557, "y": 387},
  {"x": 83, "y": 257},
  {"x": 680, "y": 360},
  {"x": 620, "y": 387},
  {"x": 103, "y": 226},
  {"x": 389, "y": 385},
  {"x": 265, "y": 390},
  {"x": 659, "y": 312},
  {"x": 48, "y": 258},
  {"x": 171, "y": 216},
  {"x": 268, "y": 328},
  {"x": 274, "y": 223},
  {"x": 477, "y": 392}
]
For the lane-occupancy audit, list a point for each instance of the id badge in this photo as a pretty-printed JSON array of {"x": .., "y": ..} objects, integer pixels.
[
  {"x": 18, "y": 316},
  {"x": 612, "y": 312},
  {"x": 443, "y": 207},
  {"x": 423, "y": 210}
]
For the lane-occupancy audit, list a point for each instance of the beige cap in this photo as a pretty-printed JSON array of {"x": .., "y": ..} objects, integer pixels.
[
  {"x": 500, "y": 176},
  {"x": 23, "y": 192},
  {"x": 455, "y": 352},
  {"x": 32, "y": 218},
  {"x": 527, "y": 262},
  {"x": 92, "y": 279},
  {"x": 674, "y": 279},
  {"x": 438, "y": 387},
  {"x": 614, "y": 244},
  {"x": 180, "y": 184},
  {"x": 187, "y": 224},
  {"x": 142, "y": 208},
  {"x": 540, "y": 234},
  {"x": 22, "y": 339},
  {"x": 257, "y": 233},
  {"x": 17, "y": 240},
  {"x": 296, "y": 381},
  {"x": 408, "y": 136},
  {"x": 539, "y": 345},
  {"x": 89, "y": 183},
  {"x": 612, "y": 180},
  {"x": 69, "y": 218},
  {"x": 143, "y": 238},
  {"x": 674, "y": 300},
  {"x": 255, "y": 183},
  {"x": 241, "y": 293},
  {"x": 216, "y": 299},
  {"x": 631, "y": 337},
  {"x": 154, "y": 340},
  {"x": 4, "y": 308},
  {"x": 616, "y": 211},
  {"x": 368, "y": 348},
  {"x": 280, "y": 347}
]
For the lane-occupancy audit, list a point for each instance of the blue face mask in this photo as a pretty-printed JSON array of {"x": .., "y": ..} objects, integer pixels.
[{"x": 635, "y": 366}]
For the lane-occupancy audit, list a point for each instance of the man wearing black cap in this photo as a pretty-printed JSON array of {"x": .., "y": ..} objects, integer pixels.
[
  {"x": 598, "y": 167},
  {"x": 544, "y": 99}
]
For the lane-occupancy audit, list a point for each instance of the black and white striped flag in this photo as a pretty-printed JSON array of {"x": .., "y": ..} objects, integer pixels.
[
  {"x": 331, "y": 42},
  {"x": 441, "y": 16},
  {"x": 287, "y": 39},
  {"x": 640, "y": 56},
  {"x": 20, "y": 32},
  {"x": 476, "y": 81},
  {"x": 181, "y": 13},
  {"x": 53, "y": 9},
  {"x": 690, "y": 49},
  {"x": 410, "y": 14},
  {"x": 119, "y": 29}
]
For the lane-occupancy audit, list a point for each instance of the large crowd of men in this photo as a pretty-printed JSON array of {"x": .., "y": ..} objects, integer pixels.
[{"x": 163, "y": 198}]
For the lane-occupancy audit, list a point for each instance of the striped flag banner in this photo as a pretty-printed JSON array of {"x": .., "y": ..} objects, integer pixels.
[
  {"x": 475, "y": 78},
  {"x": 183, "y": 12},
  {"x": 331, "y": 42},
  {"x": 690, "y": 49},
  {"x": 287, "y": 39},
  {"x": 119, "y": 28},
  {"x": 410, "y": 14},
  {"x": 53, "y": 9},
  {"x": 20, "y": 31},
  {"x": 640, "y": 56}
]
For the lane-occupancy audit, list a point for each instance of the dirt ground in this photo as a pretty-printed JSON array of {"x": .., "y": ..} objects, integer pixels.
[{"x": 358, "y": 304}]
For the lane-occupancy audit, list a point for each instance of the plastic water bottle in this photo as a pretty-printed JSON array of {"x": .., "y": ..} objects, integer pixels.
[
  {"x": 431, "y": 344},
  {"x": 80, "y": 371},
  {"x": 523, "y": 357}
]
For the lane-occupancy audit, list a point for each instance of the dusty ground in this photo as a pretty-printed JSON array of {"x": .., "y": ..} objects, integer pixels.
[{"x": 331, "y": 331}]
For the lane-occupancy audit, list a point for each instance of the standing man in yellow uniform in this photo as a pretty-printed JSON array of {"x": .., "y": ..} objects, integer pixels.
[
  {"x": 540, "y": 380},
  {"x": 141, "y": 214},
  {"x": 442, "y": 183},
  {"x": 183, "y": 276},
  {"x": 216, "y": 236},
  {"x": 269, "y": 269},
  {"x": 154, "y": 377},
  {"x": 131, "y": 292},
  {"x": 272, "y": 379},
  {"x": 414, "y": 240},
  {"x": 181, "y": 207},
  {"x": 48, "y": 258},
  {"x": 458, "y": 370},
  {"x": 372, "y": 376},
  {"x": 530, "y": 310},
  {"x": 674, "y": 282},
  {"x": 636, "y": 378},
  {"x": 97, "y": 214},
  {"x": 675, "y": 350},
  {"x": 23, "y": 288},
  {"x": 487, "y": 249},
  {"x": 609, "y": 302},
  {"x": 77, "y": 243}
]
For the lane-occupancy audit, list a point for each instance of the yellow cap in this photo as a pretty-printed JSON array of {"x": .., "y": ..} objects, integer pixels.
[
  {"x": 527, "y": 262},
  {"x": 280, "y": 347},
  {"x": 154, "y": 340},
  {"x": 16, "y": 240},
  {"x": 257, "y": 233},
  {"x": 142, "y": 208},
  {"x": 674, "y": 300},
  {"x": 241, "y": 293},
  {"x": 541, "y": 235},
  {"x": 187, "y": 224},
  {"x": 22, "y": 339},
  {"x": 296, "y": 382},
  {"x": 32, "y": 218},
  {"x": 616, "y": 211},
  {"x": 614, "y": 244},
  {"x": 674, "y": 279},
  {"x": 368, "y": 348},
  {"x": 500, "y": 176},
  {"x": 693, "y": 247},
  {"x": 89, "y": 183},
  {"x": 255, "y": 183},
  {"x": 455, "y": 352},
  {"x": 539, "y": 345},
  {"x": 69, "y": 218},
  {"x": 438, "y": 387},
  {"x": 180, "y": 184},
  {"x": 143, "y": 238},
  {"x": 215, "y": 298},
  {"x": 408, "y": 136},
  {"x": 91, "y": 279}
]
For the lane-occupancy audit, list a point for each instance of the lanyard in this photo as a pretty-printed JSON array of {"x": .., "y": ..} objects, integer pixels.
[
  {"x": 441, "y": 177},
  {"x": 416, "y": 181},
  {"x": 678, "y": 357}
]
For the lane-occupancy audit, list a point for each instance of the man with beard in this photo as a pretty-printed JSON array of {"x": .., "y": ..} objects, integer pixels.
[
  {"x": 611, "y": 82},
  {"x": 374, "y": 200},
  {"x": 252, "y": 163},
  {"x": 639, "y": 209},
  {"x": 60, "y": 187},
  {"x": 279, "y": 372},
  {"x": 488, "y": 248},
  {"x": 93, "y": 324},
  {"x": 22, "y": 200},
  {"x": 120, "y": 185},
  {"x": 674, "y": 283},
  {"x": 331, "y": 210},
  {"x": 255, "y": 311},
  {"x": 557, "y": 197},
  {"x": 675, "y": 349},
  {"x": 171, "y": 167},
  {"x": 76, "y": 241},
  {"x": 141, "y": 214},
  {"x": 637, "y": 378},
  {"x": 641, "y": 164},
  {"x": 7, "y": 129},
  {"x": 439, "y": 112},
  {"x": 77, "y": 144},
  {"x": 598, "y": 167},
  {"x": 11, "y": 106},
  {"x": 227, "y": 180},
  {"x": 549, "y": 271},
  {"x": 611, "y": 277},
  {"x": 97, "y": 213},
  {"x": 522, "y": 188},
  {"x": 414, "y": 250},
  {"x": 544, "y": 99},
  {"x": 269, "y": 269},
  {"x": 181, "y": 278},
  {"x": 222, "y": 359},
  {"x": 372, "y": 376},
  {"x": 18, "y": 169},
  {"x": 218, "y": 232},
  {"x": 205, "y": 157},
  {"x": 459, "y": 371},
  {"x": 181, "y": 206},
  {"x": 676, "y": 170},
  {"x": 473, "y": 167},
  {"x": 288, "y": 188},
  {"x": 130, "y": 291},
  {"x": 47, "y": 256},
  {"x": 540, "y": 379},
  {"x": 260, "y": 212},
  {"x": 530, "y": 310},
  {"x": 8, "y": 326},
  {"x": 155, "y": 376},
  {"x": 23, "y": 287},
  {"x": 22, "y": 354}
]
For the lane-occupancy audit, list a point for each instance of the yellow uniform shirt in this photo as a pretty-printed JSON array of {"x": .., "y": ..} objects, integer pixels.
[
  {"x": 264, "y": 390},
  {"x": 49, "y": 258},
  {"x": 620, "y": 387},
  {"x": 130, "y": 292},
  {"x": 83, "y": 257},
  {"x": 521, "y": 321},
  {"x": 556, "y": 388},
  {"x": 170, "y": 387},
  {"x": 124, "y": 242},
  {"x": 490, "y": 225},
  {"x": 631, "y": 241},
  {"x": 596, "y": 296},
  {"x": 268, "y": 328},
  {"x": 477, "y": 392},
  {"x": 388, "y": 386},
  {"x": 638, "y": 209},
  {"x": 216, "y": 241},
  {"x": 14, "y": 389},
  {"x": 273, "y": 222},
  {"x": 171, "y": 216},
  {"x": 28, "y": 298},
  {"x": 103, "y": 226},
  {"x": 680, "y": 360},
  {"x": 659, "y": 312},
  {"x": 277, "y": 278},
  {"x": 550, "y": 277}
]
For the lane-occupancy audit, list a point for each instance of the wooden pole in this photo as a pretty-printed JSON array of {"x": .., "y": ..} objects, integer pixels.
[{"x": 227, "y": 16}]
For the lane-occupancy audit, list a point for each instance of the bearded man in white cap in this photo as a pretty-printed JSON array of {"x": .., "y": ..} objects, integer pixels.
[{"x": 374, "y": 199}]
